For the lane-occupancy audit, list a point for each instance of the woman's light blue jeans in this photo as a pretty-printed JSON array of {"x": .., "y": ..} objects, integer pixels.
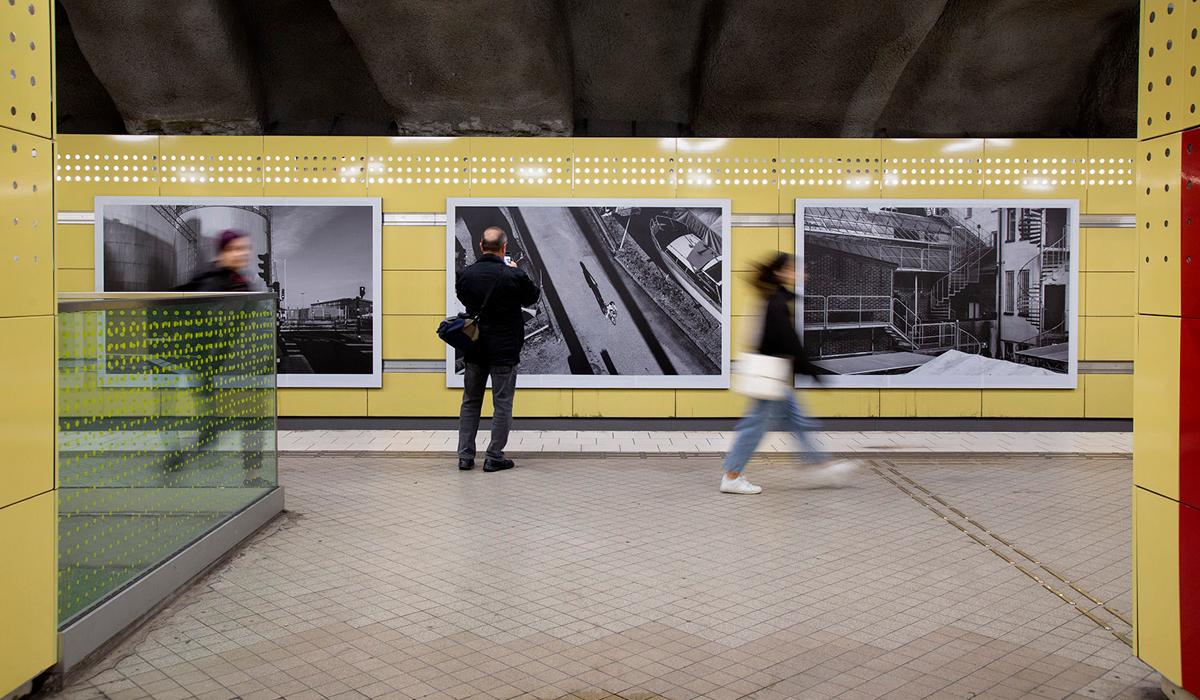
[{"x": 759, "y": 419}]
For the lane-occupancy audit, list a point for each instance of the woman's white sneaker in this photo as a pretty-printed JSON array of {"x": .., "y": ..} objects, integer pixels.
[
  {"x": 835, "y": 475},
  {"x": 738, "y": 485}
]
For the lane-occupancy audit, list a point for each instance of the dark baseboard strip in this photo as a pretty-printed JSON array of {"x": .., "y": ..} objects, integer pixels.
[{"x": 970, "y": 425}]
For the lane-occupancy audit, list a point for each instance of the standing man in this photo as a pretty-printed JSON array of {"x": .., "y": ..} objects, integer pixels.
[{"x": 494, "y": 289}]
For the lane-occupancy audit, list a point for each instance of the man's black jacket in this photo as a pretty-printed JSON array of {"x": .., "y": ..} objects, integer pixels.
[{"x": 501, "y": 324}]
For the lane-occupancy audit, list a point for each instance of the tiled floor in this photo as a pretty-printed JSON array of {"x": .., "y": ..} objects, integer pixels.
[
  {"x": 631, "y": 577},
  {"x": 709, "y": 442}
]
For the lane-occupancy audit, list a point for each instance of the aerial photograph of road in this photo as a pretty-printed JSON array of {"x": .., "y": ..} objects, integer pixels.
[{"x": 625, "y": 291}]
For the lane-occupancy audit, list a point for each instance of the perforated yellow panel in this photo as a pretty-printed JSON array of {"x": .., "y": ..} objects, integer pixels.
[
  {"x": 1156, "y": 406},
  {"x": 1110, "y": 176},
  {"x": 310, "y": 166},
  {"x": 943, "y": 168},
  {"x": 1025, "y": 168},
  {"x": 521, "y": 167},
  {"x": 1158, "y": 225},
  {"x": 1189, "y": 106},
  {"x": 26, "y": 225},
  {"x": 625, "y": 167},
  {"x": 828, "y": 168},
  {"x": 229, "y": 166},
  {"x": 27, "y": 59},
  {"x": 743, "y": 170},
  {"x": 90, "y": 166},
  {"x": 1162, "y": 100},
  {"x": 417, "y": 174}
]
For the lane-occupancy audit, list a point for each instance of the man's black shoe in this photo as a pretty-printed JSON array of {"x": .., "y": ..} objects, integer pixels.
[
  {"x": 496, "y": 465},
  {"x": 466, "y": 464}
]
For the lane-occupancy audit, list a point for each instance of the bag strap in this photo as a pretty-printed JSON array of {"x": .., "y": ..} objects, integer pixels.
[{"x": 488, "y": 297}]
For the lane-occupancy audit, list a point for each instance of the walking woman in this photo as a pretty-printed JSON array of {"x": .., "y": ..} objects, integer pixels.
[{"x": 779, "y": 339}]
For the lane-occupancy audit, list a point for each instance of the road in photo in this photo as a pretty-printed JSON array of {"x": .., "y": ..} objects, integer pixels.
[{"x": 613, "y": 305}]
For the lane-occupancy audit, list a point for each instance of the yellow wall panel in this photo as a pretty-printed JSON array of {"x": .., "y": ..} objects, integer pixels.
[
  {"x": 26, "y": 224},
  {"x": 1156, "y": 406},
  {"x": 1110, "y": 176},
  {"x": 27, "y": 409},
  {"x": 828, "y": 169},
  {"x": 323, "y": 402},
  {"x": 29, "y": 605},
  {"x": 1162, "y": 101},
  {"x": 621, "y": 403},
  {"x": 90, "y": 166},
  {"x": 412, "y": 338},
  {"x": 410, "y": 394},
  {"x": 1189, "y": 104},
  {"x": 753, "y": 245},
  {"x": 315, "y": 166},
  {"x": 75, "y": 281},
  {"x": 521, "y": 167},
  {"x": 74, "y": 247},
  {"x": 1107, "y": 395},
  {"x": 204, "y": 166},
  {"x": 417, "y": 174},
  {"x": 839, "y": 403},
  {"x": 634, "y": 167},
  {"x": 1110, "y": 294},
  {"x": 1033, "y": 168},
  {"x": 944, "y": 168},
  {"x": 709, "y": 403},
  {"x": 1158, "y": 225},
  {"x": 414, "y": 292},
  {"x": 27, "y": 56},
  {"x": 743, "y": 170},
  {"x": 414, "y": 248},
  {"x": 929, "y": 403},
  {"x": 1034, "y": 403},
  {"x": 1109, "y": 249},
  {"x": 1109, "y": 338},
  {"x": 1156, "y": 571}
]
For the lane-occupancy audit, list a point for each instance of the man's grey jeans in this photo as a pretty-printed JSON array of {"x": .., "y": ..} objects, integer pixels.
[{"x": 504, "y": 379}]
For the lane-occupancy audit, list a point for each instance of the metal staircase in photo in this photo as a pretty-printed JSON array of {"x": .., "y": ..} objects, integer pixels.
[
  {"x": 1051, "y": 260},
  {"x": 892, "y": 316},
  {"x": 969, "y": 253}
]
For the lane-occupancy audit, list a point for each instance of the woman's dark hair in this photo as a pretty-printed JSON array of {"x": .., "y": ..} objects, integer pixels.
[{"x": 767, "y": 278}]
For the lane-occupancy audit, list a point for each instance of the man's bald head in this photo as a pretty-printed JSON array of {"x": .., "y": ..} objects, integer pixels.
[{"x": 494, "y": 240}]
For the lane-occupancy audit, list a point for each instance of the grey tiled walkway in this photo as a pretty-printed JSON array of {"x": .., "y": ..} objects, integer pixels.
[{"x": 632, "y": 577}]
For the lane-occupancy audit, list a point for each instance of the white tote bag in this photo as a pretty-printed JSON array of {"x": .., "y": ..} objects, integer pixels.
[{"x": 762, "y": 376}]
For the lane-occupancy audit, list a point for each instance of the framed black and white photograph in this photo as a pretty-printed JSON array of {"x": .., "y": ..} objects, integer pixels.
[
  {"x": 634, "y": 293},
  {"x": 321, "y": 256},
  {"x": 940, "y": 293}
]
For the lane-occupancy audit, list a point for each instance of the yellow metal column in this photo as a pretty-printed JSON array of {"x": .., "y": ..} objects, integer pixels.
[{"x": 28, "y": 596}]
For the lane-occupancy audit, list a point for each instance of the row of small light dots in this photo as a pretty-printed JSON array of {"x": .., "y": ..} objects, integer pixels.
[
  {"x": 627, "y": 181},
  {"x": 377, "y": 167},
  {"x": 416, "y": 180},
  {"x": 794, "y": 171},
  {"x": 727, "y": 181},
  {"x": 852, "y": 182}
]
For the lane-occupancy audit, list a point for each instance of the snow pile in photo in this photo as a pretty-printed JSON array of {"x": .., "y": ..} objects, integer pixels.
[{"x": 954, "y": 362}]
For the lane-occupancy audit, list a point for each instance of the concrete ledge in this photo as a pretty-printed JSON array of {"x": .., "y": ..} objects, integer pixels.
[{"x": 93, "y": 631}]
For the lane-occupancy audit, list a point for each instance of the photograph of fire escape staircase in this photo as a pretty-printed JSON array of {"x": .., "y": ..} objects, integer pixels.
[
  {"x": 1039, "y": 334},
  {"x": 897, "y": 290}
]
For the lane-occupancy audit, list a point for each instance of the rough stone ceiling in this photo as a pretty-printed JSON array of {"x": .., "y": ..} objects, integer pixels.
[{"x": 599, "y": 67}]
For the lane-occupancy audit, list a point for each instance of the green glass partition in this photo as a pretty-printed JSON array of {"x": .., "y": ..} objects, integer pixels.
[{"x": 166, "y": 409}]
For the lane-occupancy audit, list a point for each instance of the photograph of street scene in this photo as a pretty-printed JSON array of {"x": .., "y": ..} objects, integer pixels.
[
  {"x": 633, "y": 291},
  {"x": 916, "y": 293},
  {"x": 320, "y": 256}
]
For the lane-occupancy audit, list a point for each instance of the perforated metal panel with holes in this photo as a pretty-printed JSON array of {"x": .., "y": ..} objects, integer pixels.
[
  {"x": 744, "y": 170},
  {"x": 944, "y": 168},
  {"x": 417, "y": 174},
  {"x": 521, "y": 167},
  {"x": 1053, "y": 168},
  {"x": 1158, "y": 225},
  {"x": 327, "y": 166},
  {"x": 89, "y": 166},
  {"x": 1164, "y": 103},
  {"x": 625, "y": 167},
  {"x": 26, "y": 58},
  {"x": 198, "y": 166},
  {"x": 27, "y": 222},
  {"x": 828, "y": 168},
  {"x": 1110, "y": 176}
]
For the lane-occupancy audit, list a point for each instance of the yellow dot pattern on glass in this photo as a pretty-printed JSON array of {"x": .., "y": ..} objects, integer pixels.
[{"x": 166, "y": 429}]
